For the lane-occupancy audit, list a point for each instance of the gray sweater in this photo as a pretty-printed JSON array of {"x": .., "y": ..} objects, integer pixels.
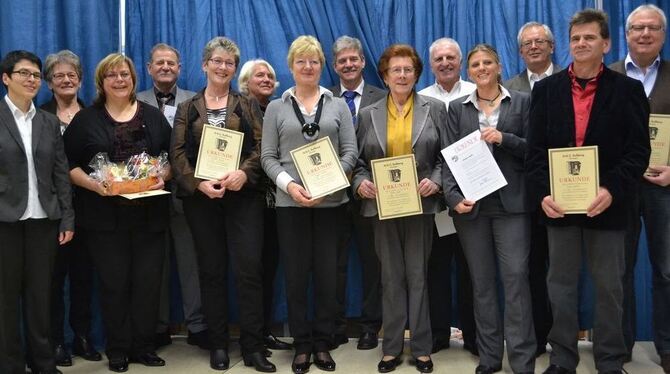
[{"x": 282, "y": 132}]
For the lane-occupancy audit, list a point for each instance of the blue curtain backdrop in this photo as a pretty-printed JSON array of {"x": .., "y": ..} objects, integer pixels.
[{"x": 265, "y": 29}]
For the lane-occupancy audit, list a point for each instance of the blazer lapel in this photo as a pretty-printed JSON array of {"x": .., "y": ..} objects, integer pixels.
[
  {"x": 567, "y": 108},
  {"x": 603, "y": 93},
  {"x": 37, "y": 130},
  {"x": 7, "y": 119},
  {"x": 366, "y": 99},
  {"x": 232, "y": 120},
  {"x": 504, "y": 110},
  {"x": 524, "y": 79},
  {"x": 379, "y": 118},
  {"x": 421, "y": 108}
]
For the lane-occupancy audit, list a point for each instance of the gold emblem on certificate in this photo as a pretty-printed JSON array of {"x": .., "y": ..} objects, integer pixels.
[
  {"x": 659, "y": 139},
  {"x": 397, "y": 187},
  {"x": 319, "y": 167},
  {"x": 219, "y": 152},
  {"x": 573, "y": 175}
]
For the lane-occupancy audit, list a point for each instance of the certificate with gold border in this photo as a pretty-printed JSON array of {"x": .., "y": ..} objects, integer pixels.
[
  {"x": 319, "y": 167},
  {"x": 397, "y": 187},
  {"x": 573, "y": 176},
  {"x": 659, "y": 139},
  {"x": 219, "y": 152}
]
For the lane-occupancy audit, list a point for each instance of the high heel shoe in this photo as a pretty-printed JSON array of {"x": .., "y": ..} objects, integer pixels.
[
  {"x": 324, "y": 361},
  {"x": 259, "y": 362},
  {"x": 301, "y": 363}
]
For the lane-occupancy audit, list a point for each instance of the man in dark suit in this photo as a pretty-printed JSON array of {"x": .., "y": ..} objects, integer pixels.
[
  {"x": 588, "y": 105},
  {"x": 36, "y": 214},
  {"x": 349, "y": 61},
  {"x": 645, "y": 34},
  {"x": 164, "y": 67},
  {"x": 536, "y": 46}
]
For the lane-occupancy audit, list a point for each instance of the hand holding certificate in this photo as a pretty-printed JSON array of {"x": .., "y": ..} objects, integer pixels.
[
  {"x": 473, "y": 166},
  {"x": 573, "y": 177},
  {"x": 397, "y": 187},
  {"x": 219, "y": 152},
  {"x": 319, "y": 168}
]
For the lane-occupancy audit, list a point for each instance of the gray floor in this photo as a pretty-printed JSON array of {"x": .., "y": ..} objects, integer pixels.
[{"x": 183, "y": 358}]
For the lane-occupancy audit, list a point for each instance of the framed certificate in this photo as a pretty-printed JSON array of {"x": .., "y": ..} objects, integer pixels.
[
  {"x": 319, "y": 167},
  {"x": 397, "y": 186},
  {"x": 659, "y": 139},
  {"x": 219, "y": 152},
  {"x": 573, "y": 176}
]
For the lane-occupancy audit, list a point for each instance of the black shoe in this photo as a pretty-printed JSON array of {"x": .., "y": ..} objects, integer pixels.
[
  {"x": 472, "y": 348},
  {"x": 338, "y": 340},
  {"x": 368, "y": 340},
  {"x": 259, "y": 362},
  {"x": 83, "y": 347},
  {"x": 118, "y": 364},
  {"x": 148, "y": 359},
  {"x": 218, "y": 359},
  {"x": 62, "y": 356},
  {"x": 272, "y": 342},
  {"x": 555, "y": 369},
  {"x": 267, "y": 353},
  {"x": 199, "y": 339},
  {"x": 483, "y": 369},
  {"x": 161, "y": 339},
  {"x": 440, "y": 344},
  {"x": 324, "y": 361},
  {"x": 300, "y": 364},
  {"x": 390, "y": 365},
  {"x": 424, "y": 366}
]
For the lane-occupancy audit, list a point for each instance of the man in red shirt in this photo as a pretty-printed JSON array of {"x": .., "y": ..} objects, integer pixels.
[{"x": 588, "y": 104}]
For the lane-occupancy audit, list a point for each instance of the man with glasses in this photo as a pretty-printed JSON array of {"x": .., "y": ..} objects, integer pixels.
[
  {"x": 164, "y": 68},
  {"x": 645, "y": 35},
  {"x": 536, "y": 45},
  {"x": 36, "y": 215}
]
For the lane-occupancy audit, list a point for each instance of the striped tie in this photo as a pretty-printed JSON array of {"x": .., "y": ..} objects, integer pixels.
[{"x": 349, "y": 97}]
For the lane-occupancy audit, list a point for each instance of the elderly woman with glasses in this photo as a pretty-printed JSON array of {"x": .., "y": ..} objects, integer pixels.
[
  {"x": 226, "y": 214},
  {"x": 126, "y": 237},
  {"x": 400, "y": 124},
  {"x": 306, "y": 227},
  {"x": 63, "y": 73}
]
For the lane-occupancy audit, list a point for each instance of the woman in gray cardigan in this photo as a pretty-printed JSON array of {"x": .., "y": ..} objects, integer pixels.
[{"x": 307, "y": 227}]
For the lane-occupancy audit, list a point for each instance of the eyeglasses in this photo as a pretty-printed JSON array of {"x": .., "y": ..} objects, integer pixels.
[
  {"x": 398, "y": 70},
  {"x": 538, "y": 42},
  {"x": 641, "y": 28},
  {"x": 218, "y": 62},
  {"x": 60, "y": 76},
  {"x": 112, "y": 75},
  {"x": 25, "y": 74}
]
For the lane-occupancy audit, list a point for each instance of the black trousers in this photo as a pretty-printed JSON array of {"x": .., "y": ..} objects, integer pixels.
[
  {"x": 129, "y": 263},
  {"x": 27, "y": 255},
  {"x": 357, "y": 230},
  {"x": 538, "y": 262},
  {"x": 229, "y": 226},
  {"x": 73, "y": 262},
  {"x": 308, "y": 241},
  {"x": 446, "y": 249},
  {"x": 270, "y": 263}
]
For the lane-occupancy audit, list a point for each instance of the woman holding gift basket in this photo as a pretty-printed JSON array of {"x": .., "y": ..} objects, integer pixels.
[
  {"x": 126, "y": 237},
  {"x": 225, "y": 214}
]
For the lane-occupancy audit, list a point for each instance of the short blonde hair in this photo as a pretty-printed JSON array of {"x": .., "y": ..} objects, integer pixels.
[
  {"x": 305, "y": 44},
  {"x": 105, "y": 65},
  {"x": 225, "y": 44},
  {"x": 248, "y": 69}
]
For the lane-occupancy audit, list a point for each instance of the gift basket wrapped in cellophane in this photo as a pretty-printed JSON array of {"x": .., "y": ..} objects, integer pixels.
[{"x": 136, "y": 174}]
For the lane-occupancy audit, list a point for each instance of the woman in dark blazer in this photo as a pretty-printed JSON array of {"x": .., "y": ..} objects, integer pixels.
[
  {"x": 495, "y": 228},
  {"x": 403, "y": 123},
  {"x": 225, "y": 215},
  {"x": 126, "y": 237}
]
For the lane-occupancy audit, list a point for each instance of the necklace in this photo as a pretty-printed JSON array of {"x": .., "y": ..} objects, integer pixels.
[
  {"x": 216, "y": 98},
  {"x": 490, "y": 101}
]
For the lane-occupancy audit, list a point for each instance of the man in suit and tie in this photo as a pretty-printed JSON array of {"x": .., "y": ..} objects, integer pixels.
[
  {"x": 645, "y": 35},
  {"x": 36, "y": 215},
  {"x": 164, "y": 68},
  {"x": 536, "y": 46},
  {"x": 588, "y": 104},
  {"x": 445, "y": 62},
  {"x": 349, "y": 61}
]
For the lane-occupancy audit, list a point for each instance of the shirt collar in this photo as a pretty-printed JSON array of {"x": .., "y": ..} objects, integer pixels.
[
  {"x": 173, "y": 90},
  {"x": 18, "y": 112},
  {"x": 291, "y": 92},
  {"x": 573, "y": 77},
  {"x": 472, "y": 98},
  {"x": 455, "y": 88},
  {"x": 548, "y": 72},
  {"x": 358, "y": 90},
  {"x": 630, "y": 64}
]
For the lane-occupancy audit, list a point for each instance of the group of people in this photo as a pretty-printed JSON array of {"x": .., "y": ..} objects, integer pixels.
[{"x": 250, "y": 218}]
